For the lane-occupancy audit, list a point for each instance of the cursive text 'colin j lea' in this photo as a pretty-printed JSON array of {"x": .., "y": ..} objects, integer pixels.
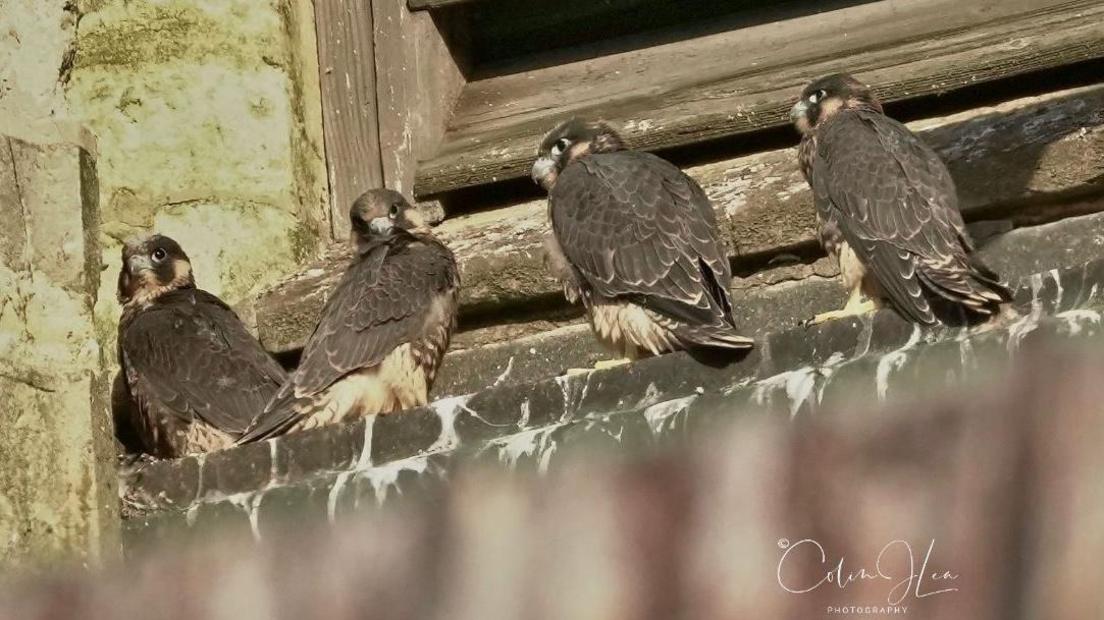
[{"x": 896, "y": 565}]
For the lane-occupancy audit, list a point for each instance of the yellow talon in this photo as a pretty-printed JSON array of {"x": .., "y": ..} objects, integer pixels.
[{"x": 856, "y": 305}]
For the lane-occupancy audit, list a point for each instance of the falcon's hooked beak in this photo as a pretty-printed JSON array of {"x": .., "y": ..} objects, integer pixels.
[
  {"x": 380, "y": 225},
  {"x": 800, "y": 109},
  {"x": 799, "y": 115},
  {"x": 544, "y": 172},
  {"x": 136, "y": 263}
]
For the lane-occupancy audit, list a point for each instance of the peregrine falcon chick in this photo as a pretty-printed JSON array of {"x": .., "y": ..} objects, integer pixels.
[
  {"x": 383, "y": 331},
  {"x": 887, "y": 209},
  {"x": 192, "y": 377},
  {"x": 635, "y": 239}
]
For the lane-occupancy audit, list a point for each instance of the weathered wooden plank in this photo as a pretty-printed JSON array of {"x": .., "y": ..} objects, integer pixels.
[
  {"x": 769, "y": 302},
  {"x": 346, "y": 59},
  {"x": 418, "y": 82},
  {"x": 1036, "y": 149},
  {"x": 745, "y": 80}
]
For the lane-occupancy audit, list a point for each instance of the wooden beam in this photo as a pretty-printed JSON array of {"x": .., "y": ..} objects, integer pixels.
[
  {"x": 746, "y": 80},
  {"x": 418, "y": 82},
  {"x": 1035, "y": 150},
  {"x": 346, "y": 59}
]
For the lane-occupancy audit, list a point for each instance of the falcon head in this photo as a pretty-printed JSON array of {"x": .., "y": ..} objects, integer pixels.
[
  {"x": 379, "y": 214},
  {"x": 569, "y": 141},
  {"x": 828, "y": 95},
  {"x": 152, "y": 265}
]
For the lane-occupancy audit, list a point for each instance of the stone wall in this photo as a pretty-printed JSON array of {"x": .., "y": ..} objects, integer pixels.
[
  {"x": 58, "y": 495},
  {"x": 200, "y": 119},
  {"x": 208, "y": 120},
  {"x": 207, "y": 115},
  {"x": 36, "y": 44}
]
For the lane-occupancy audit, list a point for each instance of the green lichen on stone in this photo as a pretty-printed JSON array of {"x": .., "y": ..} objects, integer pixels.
[
  {"x": 304, "y": 241},
  {"x": 235, "y": 247},
  {"x": 147, "y": 33},
  {"x": 206, "y": 133},
  {"x": 161, "y": 36},
  {"x": 308, "y": 157}
]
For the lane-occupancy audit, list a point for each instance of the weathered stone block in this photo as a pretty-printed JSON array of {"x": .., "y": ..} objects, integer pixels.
[
  {"x": 177, "y": 487},
  {"x": 298, "y": 457},
  {"x": 58, "y": 497},
  {"x": 36, "y": 43},
  {"x": 208, "y": 118}
]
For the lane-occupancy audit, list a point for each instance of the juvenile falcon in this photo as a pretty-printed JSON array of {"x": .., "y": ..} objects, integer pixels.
[
  {"x": 192, "y": 376},
  {"x": 636, "y": 240},
  {"x": 887, "y": 209},
  {"x": 382, "y": 332}
]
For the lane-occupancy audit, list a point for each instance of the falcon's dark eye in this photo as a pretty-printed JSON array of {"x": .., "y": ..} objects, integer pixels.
[
  {"x": 159, "y": 255},
  {"x": 560, "y": 146},
  {"x": 394, "y": 212},
  {"x": 818, "y": 96}
]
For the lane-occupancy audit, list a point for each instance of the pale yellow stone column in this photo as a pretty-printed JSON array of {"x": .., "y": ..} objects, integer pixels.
[{"x": 58, "y": 497}]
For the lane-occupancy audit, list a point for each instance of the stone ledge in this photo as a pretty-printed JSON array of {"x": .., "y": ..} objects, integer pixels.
[
  {"x": 1005, "y": 159},
  {"x": 765, "y": 304},
  {"x": 625, "y": 410},
  {"x": 794, "y": 370}
]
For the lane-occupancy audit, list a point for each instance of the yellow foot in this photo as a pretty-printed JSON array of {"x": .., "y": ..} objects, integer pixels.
[
  {"x": 600, "y": 365},
  {"x": 851, "y": 309}
]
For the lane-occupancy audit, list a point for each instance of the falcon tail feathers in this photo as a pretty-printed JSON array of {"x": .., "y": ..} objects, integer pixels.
[
  {"x": 677, "y": 310},
  {"x": 281, "y": 414},
  {"x": 983, "y": 274},
  {"x": 976, "y": 287},
  {"x": 714, "y": 336},
  {"x": 914, "y": 308}
]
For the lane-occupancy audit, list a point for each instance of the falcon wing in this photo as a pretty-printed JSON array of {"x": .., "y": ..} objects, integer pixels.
[
  {"x": 896, "y": 206},
  {"x": 383, "y": 301},
  {"x": 190, "y": 356},
  {"x": 636, "y": 227}
]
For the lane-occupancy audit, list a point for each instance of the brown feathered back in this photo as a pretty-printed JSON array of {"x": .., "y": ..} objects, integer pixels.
[
  {"x": 388, "y": 297},
  {"x": 890, "y": 197},
  {"x": 188, "y": 361},
  {"x": 636, "y": 228}
]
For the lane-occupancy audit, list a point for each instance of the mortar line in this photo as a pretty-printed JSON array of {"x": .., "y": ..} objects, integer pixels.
[{"x": 27, "y": 254}]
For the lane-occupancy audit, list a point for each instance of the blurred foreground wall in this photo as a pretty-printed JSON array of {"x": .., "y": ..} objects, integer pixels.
[{"x": 981, "y": 501}]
